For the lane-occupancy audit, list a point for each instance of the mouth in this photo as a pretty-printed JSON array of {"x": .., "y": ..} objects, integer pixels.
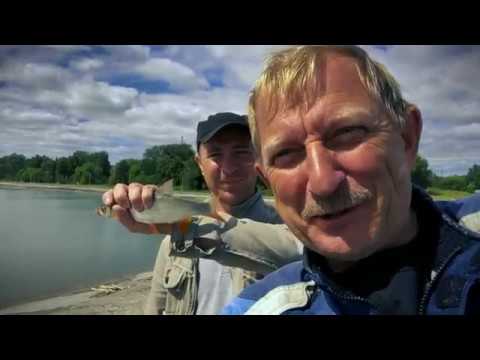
[
  {"x": 232, "y": 182},
  {"x": 337, "y": 215}
]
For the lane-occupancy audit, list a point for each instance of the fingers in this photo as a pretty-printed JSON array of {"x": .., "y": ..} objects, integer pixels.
[
  {"x": 107, "y": 198},
  {"x": 120, "y": 196},
  {"x": 148, "y": 194},
  {"x": 123, "y": 198},
  {"x": 135, "y": 196}
]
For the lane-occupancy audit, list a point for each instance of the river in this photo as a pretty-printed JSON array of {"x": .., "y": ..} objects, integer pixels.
[{"x": 52, "y": 242}]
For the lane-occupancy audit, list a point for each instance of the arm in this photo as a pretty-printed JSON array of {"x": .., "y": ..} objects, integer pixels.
[{"x": 243, "y": 243}]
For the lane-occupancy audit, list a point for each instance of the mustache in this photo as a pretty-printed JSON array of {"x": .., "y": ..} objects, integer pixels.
[{"x": 341, "y": 200}]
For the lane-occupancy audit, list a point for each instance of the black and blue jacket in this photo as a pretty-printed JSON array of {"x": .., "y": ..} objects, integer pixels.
[{"x": 451, "y": 287}]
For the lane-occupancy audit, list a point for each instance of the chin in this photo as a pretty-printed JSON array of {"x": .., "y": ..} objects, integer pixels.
[
  {"x": 342, "y": 247},
  {"x": 231, "y": 198}
]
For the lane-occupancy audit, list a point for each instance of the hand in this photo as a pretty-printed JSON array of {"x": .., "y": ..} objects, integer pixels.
[{"x": 122, "y": 198}]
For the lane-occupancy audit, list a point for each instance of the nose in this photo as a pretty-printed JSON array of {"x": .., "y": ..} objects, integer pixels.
[
  {"x": 324, "y": 174},
  {"x": 229, "y": 165}
]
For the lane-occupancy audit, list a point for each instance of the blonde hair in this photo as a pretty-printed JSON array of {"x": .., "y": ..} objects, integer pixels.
[{"x": 291, "y": 75}]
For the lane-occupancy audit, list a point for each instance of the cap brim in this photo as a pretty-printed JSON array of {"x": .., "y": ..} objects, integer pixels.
[{"x": 208, "y": 136}]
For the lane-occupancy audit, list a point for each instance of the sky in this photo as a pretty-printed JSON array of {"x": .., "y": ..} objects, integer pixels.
[{"x": 122, "y": 99}]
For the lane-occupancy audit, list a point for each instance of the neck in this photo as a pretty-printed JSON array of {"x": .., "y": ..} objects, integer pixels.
[{"x": 219, "y": 205}]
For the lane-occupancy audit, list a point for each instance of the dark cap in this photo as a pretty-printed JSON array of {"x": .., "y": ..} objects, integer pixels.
[{"x": 206, "y": 129}]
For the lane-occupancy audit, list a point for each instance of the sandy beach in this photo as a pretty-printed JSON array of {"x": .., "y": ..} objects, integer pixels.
[{"x": 123, "y": 297}]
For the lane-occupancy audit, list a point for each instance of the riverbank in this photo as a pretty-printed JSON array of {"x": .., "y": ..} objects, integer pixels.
[
  {"x": 70, "y": 187},
  {"x": 123, "y": 297},
  {"x": 97, "y": 188}
]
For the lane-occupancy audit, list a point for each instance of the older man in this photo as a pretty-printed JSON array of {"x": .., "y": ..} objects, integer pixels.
[
  {"x": 337, "y": 143},
  {"x": 184, "y": 286}
]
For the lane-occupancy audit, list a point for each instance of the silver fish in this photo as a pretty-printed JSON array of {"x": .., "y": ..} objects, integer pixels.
[{"x": 166, "y": 209}]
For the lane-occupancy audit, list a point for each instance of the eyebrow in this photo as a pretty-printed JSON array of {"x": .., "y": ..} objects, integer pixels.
[
  {"x": 273, "y": 145},
  {"x": 343, "y": 115}
]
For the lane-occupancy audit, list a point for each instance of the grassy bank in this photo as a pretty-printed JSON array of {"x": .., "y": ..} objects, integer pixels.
[{"x": 441, "y": 194}]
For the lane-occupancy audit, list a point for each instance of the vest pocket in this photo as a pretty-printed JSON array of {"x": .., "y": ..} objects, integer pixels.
[
  {"x": 178, "y": 282},
  {"x": 174, "y": 276}
]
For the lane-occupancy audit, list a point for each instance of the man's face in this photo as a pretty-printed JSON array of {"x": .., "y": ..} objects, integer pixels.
[
  {"x": 227, "y": 164},
  {"x": 340, "y": 171}
]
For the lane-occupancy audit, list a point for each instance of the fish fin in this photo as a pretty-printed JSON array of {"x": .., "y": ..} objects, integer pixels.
[
  {"x": 184, "y": 224},
  {"x": 166, "y": 187}
]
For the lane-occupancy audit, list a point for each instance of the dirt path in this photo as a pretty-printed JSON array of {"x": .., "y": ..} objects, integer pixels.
[{"x": 126, "y": 297}]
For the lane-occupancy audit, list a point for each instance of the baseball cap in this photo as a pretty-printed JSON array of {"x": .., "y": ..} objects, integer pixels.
[{"x": 214, "y": 123}]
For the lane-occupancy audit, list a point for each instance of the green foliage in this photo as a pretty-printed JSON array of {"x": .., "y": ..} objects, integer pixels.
[
  {"x": 442, "y": 194},
  {"x": 10, "y": 166},
  {"x": 453, "y": 182},
  {"x": 30, "y": 174},
  {"x": 135, "y": 171},
  {"x": 473, "y": 177},
  {"x": 421, "y": 174},
  {"x": 88, "y": 173},
  {"x": 192, "y": 178},
  {"x": 120, "y": 173}
]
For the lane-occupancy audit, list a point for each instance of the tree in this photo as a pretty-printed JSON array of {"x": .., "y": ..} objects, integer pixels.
[
  {"x": 100, "y": 159},
  {"x": 120, "y": 173},
  {"x": 48, "y": 170},
  {"x": 134, "y": 171},
  {"x": 473, "y": 176},
  {"x": 11, "y": 165},
  {"x": 88, "y": 173},
  {"x": 64, "y": 170},
  {"x": 30, "y": 174},
  {"x": 421, "y": 174},
  {"x": 169, "y": 162},
  {"x": 192, "y": 178},
  {"x": 453, "y": 182}
]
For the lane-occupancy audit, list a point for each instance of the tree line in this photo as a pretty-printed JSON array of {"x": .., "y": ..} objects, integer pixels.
[
  {"x": 158, "y": 164},
  {"x": 422, "y": 175},
  {"x": 163, "y": 162}
]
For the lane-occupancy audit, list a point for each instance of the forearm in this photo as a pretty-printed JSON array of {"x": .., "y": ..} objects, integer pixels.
[{"x": 240, "y": 243}]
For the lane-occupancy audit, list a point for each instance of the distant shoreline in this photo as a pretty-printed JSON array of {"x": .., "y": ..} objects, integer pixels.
[
  {"x": 95, "y": 188},
  {"x": 69, "y": 187}
]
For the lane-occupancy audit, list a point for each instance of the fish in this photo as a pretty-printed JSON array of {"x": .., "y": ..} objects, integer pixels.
[{"x": 166, "y": 208}]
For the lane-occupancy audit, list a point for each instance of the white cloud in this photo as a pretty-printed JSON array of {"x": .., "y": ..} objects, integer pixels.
[
  {"x": 180, "y": 77},
  {"x": 86, "y": 64}
]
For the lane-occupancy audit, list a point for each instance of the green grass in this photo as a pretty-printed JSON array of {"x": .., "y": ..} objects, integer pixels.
[{"x": 441, "y": 194}]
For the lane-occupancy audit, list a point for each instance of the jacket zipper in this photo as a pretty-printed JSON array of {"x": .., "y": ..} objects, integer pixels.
[
  {"x": 433, "y": 280},
  {"x": 338, "y": 295}
]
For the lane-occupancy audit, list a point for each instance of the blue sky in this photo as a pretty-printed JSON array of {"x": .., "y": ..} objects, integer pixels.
[{"x": 121, "y": 99}]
